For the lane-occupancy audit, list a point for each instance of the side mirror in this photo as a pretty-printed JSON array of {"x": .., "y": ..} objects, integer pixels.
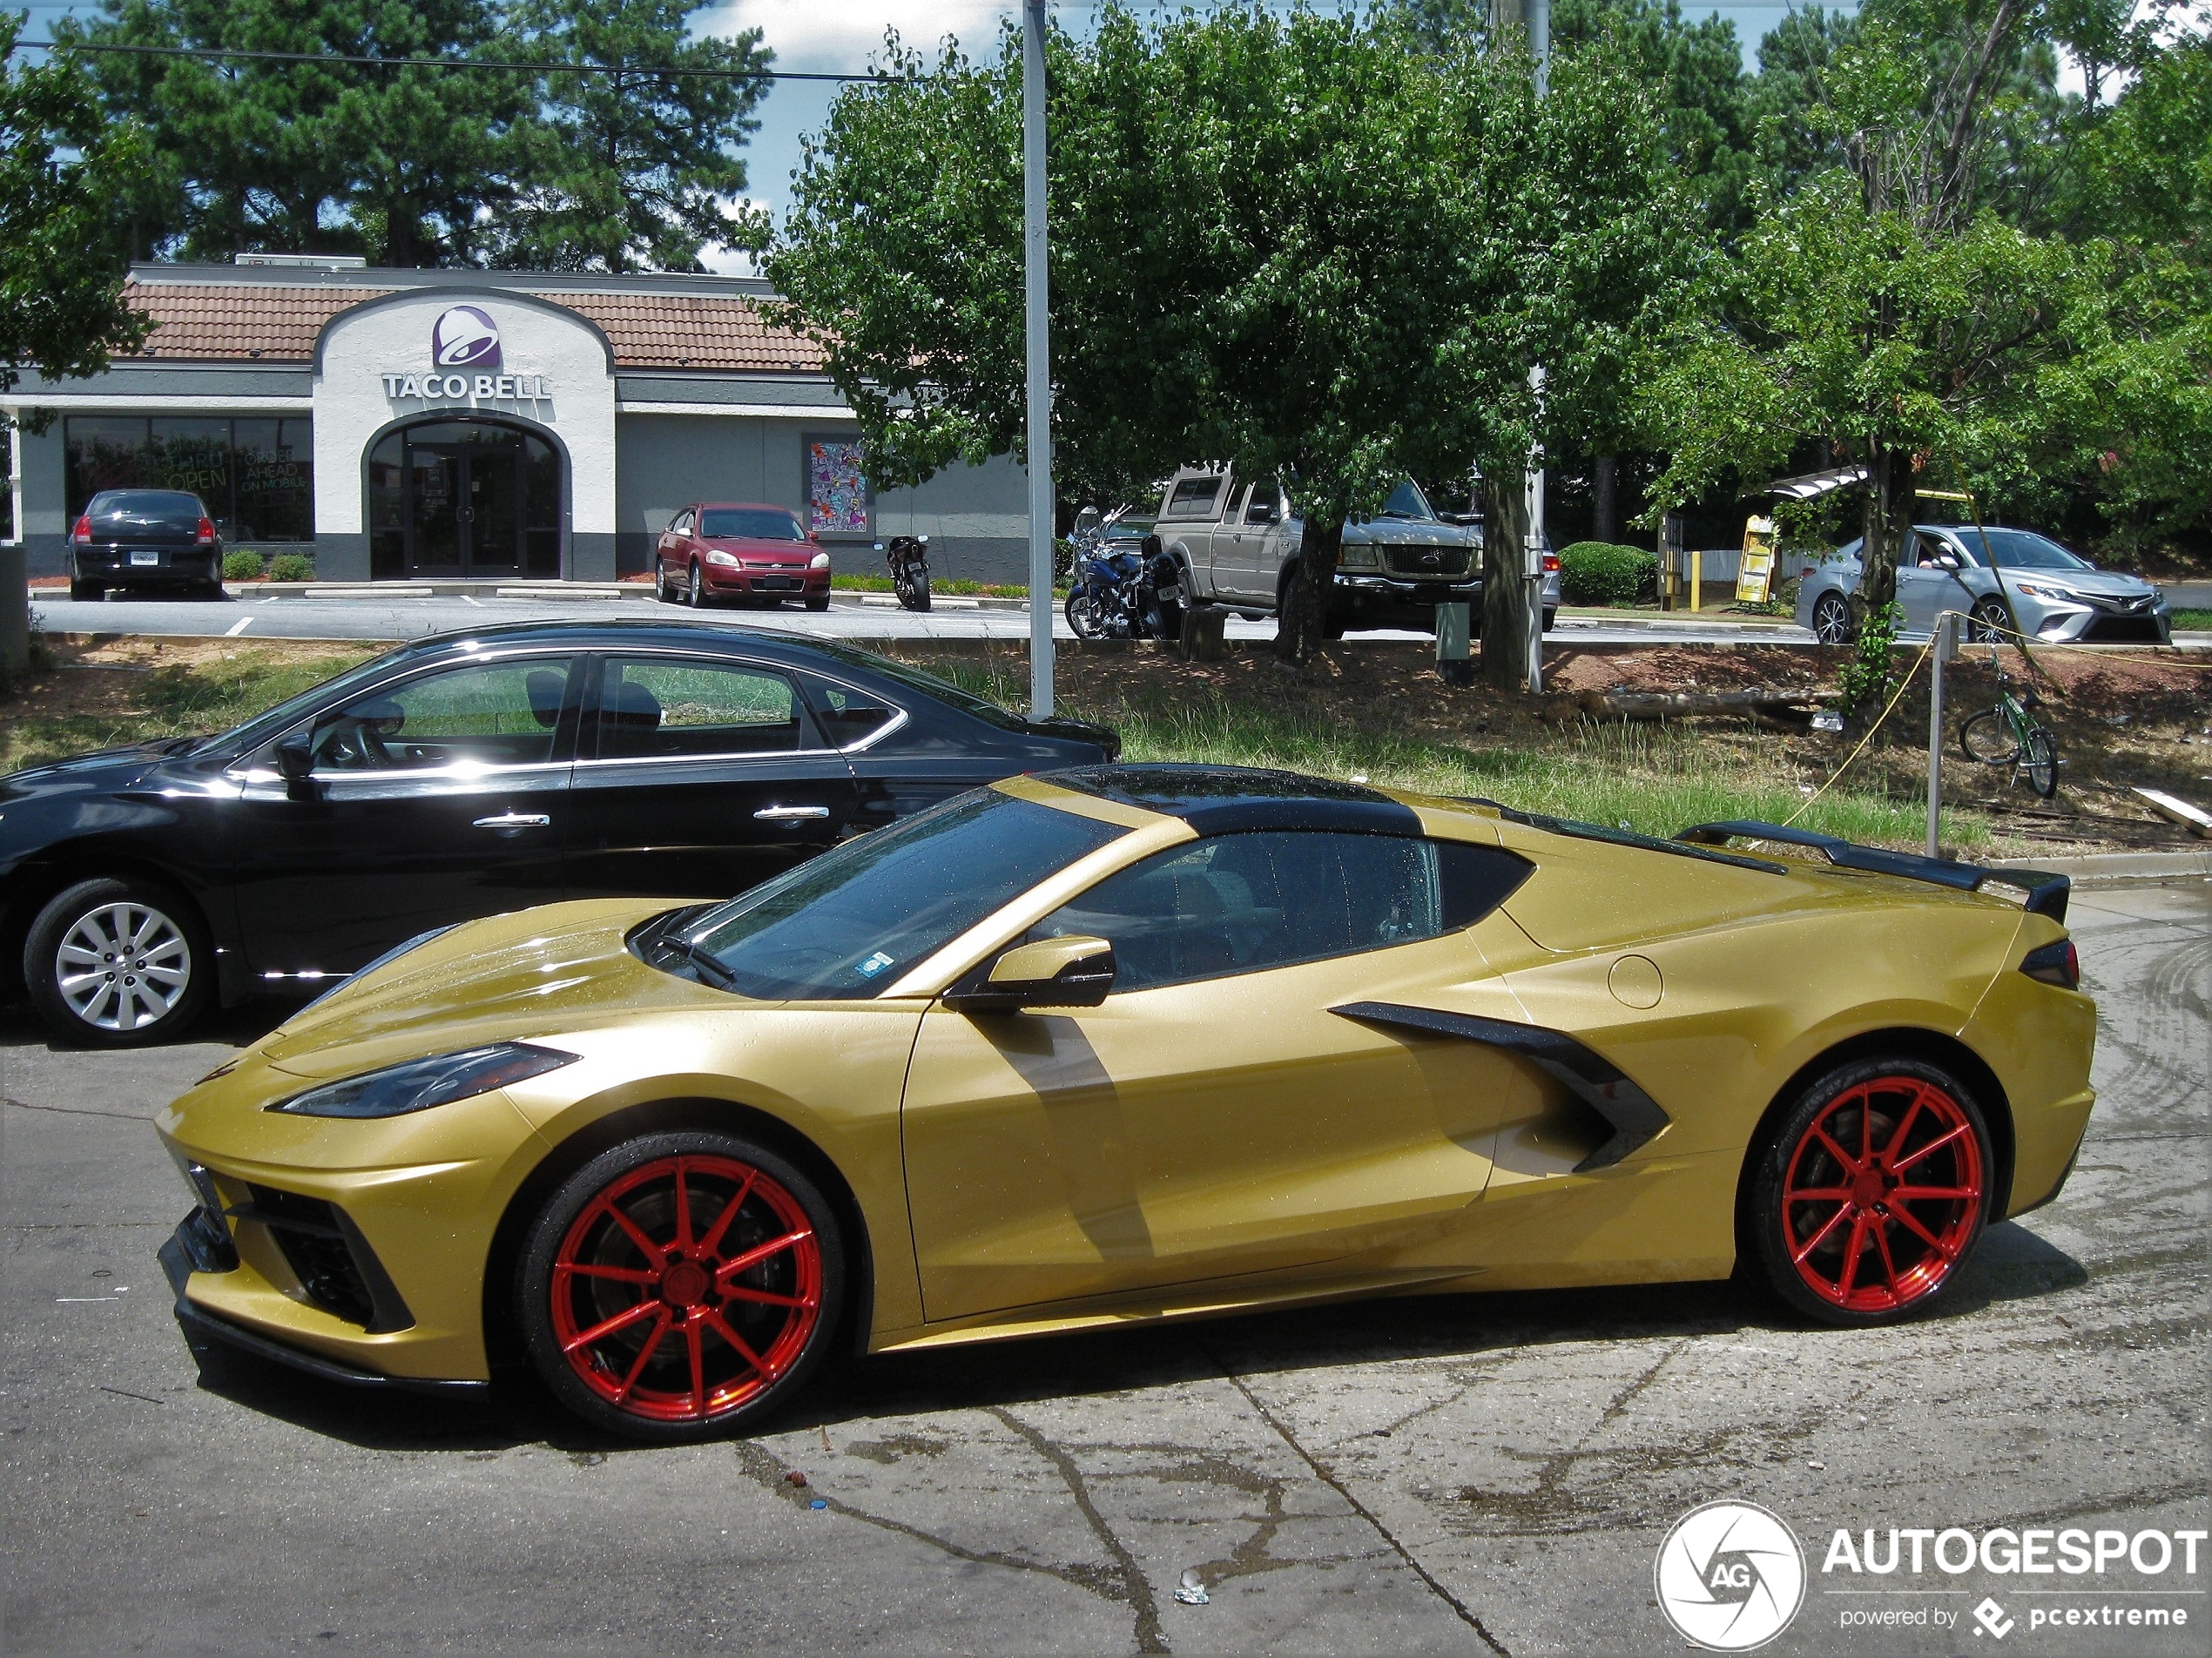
[
  {"x": 295, "y": 763},
  {"x": 1051, "y": 973}
]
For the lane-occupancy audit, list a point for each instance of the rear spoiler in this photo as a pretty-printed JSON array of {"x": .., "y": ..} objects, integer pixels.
[{"x": 2046, "y": 893}]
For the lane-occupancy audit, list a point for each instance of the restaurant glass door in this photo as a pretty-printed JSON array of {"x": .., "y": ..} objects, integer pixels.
[{"x": 464, "y": 499}]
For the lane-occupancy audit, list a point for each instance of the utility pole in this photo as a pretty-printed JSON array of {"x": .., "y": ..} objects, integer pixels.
[{"x": 1036, "y": 292}]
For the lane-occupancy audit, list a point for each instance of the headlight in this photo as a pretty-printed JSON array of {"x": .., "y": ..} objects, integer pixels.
[
  {"x": 422, "y": 1084},
  {"x": 2044, "y": 590},
  {"x": 1356, "y": 558},
  {"x": 729, "y": 561},
  {"x": 820, "y": 561}
]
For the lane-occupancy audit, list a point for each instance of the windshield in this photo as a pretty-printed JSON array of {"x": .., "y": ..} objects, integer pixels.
[
  {"x": 2019, "y": 549},
  {"x": 1407, "y": 500},
  {"x": 262, "y": 727},
  {"x": 928, "y": 683},
  {"x": 171, "y": 507},
  {"x": 749, "y": 524},
  {"x": 851, "y": 921}
]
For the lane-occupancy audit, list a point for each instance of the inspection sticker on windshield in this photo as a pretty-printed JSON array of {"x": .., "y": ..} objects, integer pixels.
[{"x": 875, "y": 964}]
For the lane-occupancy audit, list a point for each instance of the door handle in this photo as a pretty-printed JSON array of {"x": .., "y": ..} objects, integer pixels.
[
  {"x": 789, "y": 815},
  {"x": 511, "y": 820}
]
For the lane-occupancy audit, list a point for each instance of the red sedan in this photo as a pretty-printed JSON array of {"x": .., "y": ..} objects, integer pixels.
[{"x": 738, "y": 550}]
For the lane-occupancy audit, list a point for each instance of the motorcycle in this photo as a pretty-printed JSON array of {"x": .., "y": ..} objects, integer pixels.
[
  {"x": 1108, "y": 596},
  {"x": 908, "y": 558}
]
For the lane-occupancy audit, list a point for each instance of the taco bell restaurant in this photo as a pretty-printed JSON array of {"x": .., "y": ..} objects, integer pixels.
[{"x": 408, "y": 426}]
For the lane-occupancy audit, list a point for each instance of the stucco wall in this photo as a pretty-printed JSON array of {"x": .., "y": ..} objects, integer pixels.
[{"x": 353, "y": 404}]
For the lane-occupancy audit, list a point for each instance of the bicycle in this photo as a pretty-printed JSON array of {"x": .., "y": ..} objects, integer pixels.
[{"x": 2008, "y": 735}]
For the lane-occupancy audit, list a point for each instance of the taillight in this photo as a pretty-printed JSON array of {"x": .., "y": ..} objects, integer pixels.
[
  {"x": 2055, "y": 964},
  {"x": 1551, "y": 563},
  {"x": 81, "y": 532},
  {"x": 205, "y": 535}
]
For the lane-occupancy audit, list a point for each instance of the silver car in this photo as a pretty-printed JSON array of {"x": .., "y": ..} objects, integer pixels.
[{"x": 1998, "y": 578}]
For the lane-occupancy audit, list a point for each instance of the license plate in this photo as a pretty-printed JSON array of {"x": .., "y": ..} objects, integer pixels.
[
  {"x": 780, "y": 583},
  {"x": 141, "y": 561}
]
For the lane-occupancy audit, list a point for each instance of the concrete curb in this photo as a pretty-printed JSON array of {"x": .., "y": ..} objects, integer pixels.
[{"x": 2101, "y": 868}]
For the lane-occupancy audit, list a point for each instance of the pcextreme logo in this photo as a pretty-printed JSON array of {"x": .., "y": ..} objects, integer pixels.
[{"x": 1729, "y": 1576}]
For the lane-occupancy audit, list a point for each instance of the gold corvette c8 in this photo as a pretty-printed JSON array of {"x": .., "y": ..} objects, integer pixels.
[{"x": 1131, "y": 1042}]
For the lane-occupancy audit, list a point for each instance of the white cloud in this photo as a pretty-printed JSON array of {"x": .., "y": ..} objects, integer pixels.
[{"x": 807, "y": 35}]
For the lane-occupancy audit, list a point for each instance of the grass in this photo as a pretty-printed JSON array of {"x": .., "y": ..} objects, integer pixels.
[
  {"x": 963, "y": 590},
  {"x": 180, "y": 700},
  {"x": 1652, "y": 779},
  {"x": 1655, "y": 779},
  {"x": 2192, "y": 621}
]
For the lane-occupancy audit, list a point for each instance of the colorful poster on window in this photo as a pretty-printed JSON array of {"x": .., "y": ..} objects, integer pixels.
[{"x": 837, "y": 489}]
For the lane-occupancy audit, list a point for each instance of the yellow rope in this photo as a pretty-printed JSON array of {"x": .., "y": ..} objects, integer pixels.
[{"x": 1851, "y": 759}]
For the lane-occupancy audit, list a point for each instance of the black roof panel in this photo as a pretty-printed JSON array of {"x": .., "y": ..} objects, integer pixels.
[{"x": 1227, "y": 799}]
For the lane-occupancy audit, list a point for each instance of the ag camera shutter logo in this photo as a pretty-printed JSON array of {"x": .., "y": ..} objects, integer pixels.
[
  {"x": 464, "y": 337},
  {"x": 1729, "y": 1576}
]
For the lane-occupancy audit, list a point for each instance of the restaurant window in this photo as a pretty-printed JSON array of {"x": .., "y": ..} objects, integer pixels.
[{"x": 254, "y": 475}]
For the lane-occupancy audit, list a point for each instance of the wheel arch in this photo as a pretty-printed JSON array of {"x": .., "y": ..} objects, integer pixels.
[
  {"x": 1932, "y": 1047},
  {"x": 503, "y": 1340},
  {"x": 37, "y": 880}
]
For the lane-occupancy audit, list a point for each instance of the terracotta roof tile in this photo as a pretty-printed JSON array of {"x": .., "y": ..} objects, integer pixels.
[{"x": 219, "y": 321}]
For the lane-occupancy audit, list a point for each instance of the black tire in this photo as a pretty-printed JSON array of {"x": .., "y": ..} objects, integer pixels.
[
  {"x": 1550, "y": 617},
  {"x": 87, "y": 592},
  {"x": 1082, "y": 612},
  {"x": 1987, "y": 740},
  {"x": 917, "y": 594},
  {"x": 1896, "y": 1100},
  {"x": 1164, "y": 607},
  {"x": 660, "y": 585},
  {"x": 695, "y": 589},
  {"x": 150, "y": 997},
  {"x": 2039, "y": 760},
  {"x": 778, "y": 1189},
  {"x": 1992, "y": 621},
  {"x": 1832, "y": 623},
  {"x": 818, "y": 601}
]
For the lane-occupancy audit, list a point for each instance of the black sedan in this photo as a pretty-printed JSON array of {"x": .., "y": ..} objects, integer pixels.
[
  {"x": 461, "y": 776},
  {"x": 144, "y": 538}
]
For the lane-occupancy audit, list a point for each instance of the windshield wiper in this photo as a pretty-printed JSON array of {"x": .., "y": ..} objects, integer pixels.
[{"x": 703, "y": 959}]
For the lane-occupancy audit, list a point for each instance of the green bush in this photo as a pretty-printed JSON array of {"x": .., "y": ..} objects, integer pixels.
[
  {"x": 291, "y": 567},
  {"x": 241, "y": 564},
  {"x": 1596, "y": 572}
]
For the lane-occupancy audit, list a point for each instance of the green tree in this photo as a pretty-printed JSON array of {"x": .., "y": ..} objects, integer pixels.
[
  {"x": 63, "y": 170},
  {"x": 415, "y": 165},
  {"x": 626, "y": 171}
]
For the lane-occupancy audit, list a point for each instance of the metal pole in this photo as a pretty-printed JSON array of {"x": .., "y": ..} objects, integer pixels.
[
  {"x": 1035, "y": 292},
  {"x": 1944, "y": 619},
  {"x": 1538, "y": 15}
]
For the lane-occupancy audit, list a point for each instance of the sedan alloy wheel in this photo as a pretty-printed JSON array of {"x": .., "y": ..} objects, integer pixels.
[
  {"x": 1831, "y": 619},
  {"x": 116, "y": 962}
]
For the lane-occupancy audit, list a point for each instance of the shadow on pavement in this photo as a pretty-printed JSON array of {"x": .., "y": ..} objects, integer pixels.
[{"x": 2012, "y": 1264}]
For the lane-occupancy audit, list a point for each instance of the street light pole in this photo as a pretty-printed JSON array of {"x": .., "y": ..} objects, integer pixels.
[{"x": 1036, "y": 292}]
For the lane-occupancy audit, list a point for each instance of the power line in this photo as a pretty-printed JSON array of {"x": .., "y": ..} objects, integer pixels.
[{"x": 221, "y": 53}]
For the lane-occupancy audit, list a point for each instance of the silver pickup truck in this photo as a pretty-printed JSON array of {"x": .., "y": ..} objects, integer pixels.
[{"x": 1231, "y": 543}]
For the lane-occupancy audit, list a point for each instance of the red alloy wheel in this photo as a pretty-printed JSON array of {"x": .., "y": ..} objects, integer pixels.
[
  {"x": 1882, "y": 1194},
  {"x": 686, "y": 1287}
]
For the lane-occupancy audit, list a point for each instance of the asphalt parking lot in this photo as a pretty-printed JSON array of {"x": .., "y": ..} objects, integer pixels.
[{"x": 1469, "y": 1474}]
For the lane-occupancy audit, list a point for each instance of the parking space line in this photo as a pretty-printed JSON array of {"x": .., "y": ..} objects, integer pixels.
[{"x": 238, "y": 627}]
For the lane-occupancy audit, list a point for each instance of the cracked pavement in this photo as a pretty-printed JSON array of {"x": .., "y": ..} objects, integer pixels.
[{"x": 1470, "y": 1475}]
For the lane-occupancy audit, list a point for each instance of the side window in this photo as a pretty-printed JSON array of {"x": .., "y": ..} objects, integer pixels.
[
  {"x": 665, "y": 708},
  {"x": 681, "y": 524},
  {"x": 1247, "y": 902},
  {"x": 1194, "y": 497},
  {"x": 1266, "y": 503},
  {"x": 848, "y": 717},
  {"x": 487, "y": 713}
]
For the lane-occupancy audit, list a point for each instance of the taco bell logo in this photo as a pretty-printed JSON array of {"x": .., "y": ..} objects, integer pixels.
[{"x": 465, "y": 337}]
